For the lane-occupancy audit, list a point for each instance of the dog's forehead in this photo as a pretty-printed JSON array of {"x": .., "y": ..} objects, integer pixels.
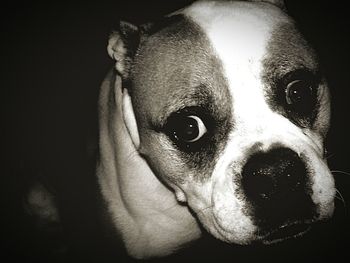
[
  {"x": 257, "y": 44},
  {"x": 237, "y": 22},
  {"x": 215, "y": 50},
  {"x": 240, "y": 33}
]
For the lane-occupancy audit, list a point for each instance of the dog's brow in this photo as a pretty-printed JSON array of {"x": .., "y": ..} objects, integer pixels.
[
  {"x": 286, "y": 56},
  {"x": 198, "y": 96}
]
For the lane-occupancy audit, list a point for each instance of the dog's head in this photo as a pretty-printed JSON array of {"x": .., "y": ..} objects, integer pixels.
[{"x": 230, "y": 110}]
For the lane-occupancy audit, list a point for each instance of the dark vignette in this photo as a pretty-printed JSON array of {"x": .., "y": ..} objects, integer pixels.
[{"x": 53, "y": 61}]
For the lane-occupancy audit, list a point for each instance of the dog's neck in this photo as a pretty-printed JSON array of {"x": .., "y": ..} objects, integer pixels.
[{"x": 151, "y": 221}]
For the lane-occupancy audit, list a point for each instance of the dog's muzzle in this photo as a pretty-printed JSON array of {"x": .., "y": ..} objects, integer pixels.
[{"x": 276, "y": 185}]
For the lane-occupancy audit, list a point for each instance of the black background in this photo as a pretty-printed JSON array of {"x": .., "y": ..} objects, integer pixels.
[{"x": 53, "y": 59}]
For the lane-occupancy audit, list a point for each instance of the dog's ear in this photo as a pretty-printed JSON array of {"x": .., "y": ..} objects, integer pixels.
[
  {"x": 122, "y": 46},
  {"x": 278, "y": 3}
]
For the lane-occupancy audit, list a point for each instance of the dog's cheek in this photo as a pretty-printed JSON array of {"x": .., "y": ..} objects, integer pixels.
[
  {"x": 323, "y": 186},
  {"x": 162, "y": 157}
]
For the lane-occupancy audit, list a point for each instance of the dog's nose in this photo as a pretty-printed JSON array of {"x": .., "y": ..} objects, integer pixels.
[
  {"x": 275, "y": 174},
  {"x": 276, "y": 185}
]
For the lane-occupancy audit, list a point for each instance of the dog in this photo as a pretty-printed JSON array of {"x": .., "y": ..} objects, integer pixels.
[{"x": 213, "y": 119}]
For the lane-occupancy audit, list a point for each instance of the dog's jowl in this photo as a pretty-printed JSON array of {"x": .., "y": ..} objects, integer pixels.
[{"x": 213, "y": 118}]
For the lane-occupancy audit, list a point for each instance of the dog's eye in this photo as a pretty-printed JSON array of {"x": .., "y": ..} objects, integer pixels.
[
  {"x": 300, "y": 93},
  {"x": 189, "y": 129}
]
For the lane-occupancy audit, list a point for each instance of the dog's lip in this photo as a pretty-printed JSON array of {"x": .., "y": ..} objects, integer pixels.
[{"x": 286, "y": 231}]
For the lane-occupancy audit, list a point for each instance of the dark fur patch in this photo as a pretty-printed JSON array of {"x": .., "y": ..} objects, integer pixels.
[
  {"x": 176, "y": 68},
  {"x": 152, "y": 28},
  {"x": 289, "y": 56}
]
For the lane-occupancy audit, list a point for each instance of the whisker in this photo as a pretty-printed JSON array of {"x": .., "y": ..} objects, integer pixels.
[
  {"x": 340, "y": 172},
  {"x": 340, "y": 197},
  {"x": 329, "y": 156}
]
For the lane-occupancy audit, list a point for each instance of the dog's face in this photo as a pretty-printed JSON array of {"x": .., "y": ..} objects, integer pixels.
[{"x": 232, "y": 112}]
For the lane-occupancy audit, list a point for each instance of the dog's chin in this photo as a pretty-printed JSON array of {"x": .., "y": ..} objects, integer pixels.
[
  {"x": 277, "y": 235},
  {"x": 284, "y": 232}
]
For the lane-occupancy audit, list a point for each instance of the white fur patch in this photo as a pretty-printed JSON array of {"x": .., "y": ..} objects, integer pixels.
[{"x": 239, "y": 33}]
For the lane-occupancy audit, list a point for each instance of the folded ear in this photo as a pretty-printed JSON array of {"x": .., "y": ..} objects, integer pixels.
[{"x": 122, "y": 46}]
